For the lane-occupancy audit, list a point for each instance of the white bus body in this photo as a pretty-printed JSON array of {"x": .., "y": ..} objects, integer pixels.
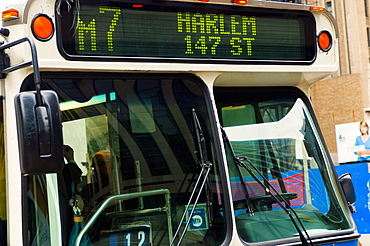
[{"x": 157, "y": 101}]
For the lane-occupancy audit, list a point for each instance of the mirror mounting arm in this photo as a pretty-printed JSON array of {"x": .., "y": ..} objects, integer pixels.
[
  {"x": 34, "y": 62},
  {"x": 38, "y": 119}
]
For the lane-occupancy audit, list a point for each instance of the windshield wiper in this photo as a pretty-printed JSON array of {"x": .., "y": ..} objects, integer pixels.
[
  {"x": 247, "y": 197},
  {"x": 278, "y": 198},
  {"x": 203, "y": 161},
  {"x": 205, "y": 169}
]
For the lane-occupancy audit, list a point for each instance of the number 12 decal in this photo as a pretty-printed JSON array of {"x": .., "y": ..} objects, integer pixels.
[{"x": 129, "y": 241}]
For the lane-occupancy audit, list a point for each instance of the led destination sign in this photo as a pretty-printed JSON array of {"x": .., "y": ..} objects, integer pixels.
[{"x": 212, "y": 34}]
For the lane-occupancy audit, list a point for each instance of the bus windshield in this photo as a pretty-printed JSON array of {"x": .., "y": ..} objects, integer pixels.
[
  {"x": 135, "y": 141},
  {"x": 276, "y": 133}
]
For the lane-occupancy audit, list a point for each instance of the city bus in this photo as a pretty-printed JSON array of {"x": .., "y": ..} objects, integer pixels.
[{"x": 167, "y": 122}]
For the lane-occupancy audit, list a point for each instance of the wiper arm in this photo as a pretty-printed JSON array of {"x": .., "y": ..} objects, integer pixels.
[
  {"x": 203, "y": 157},
  {"x": 279, "y": 198},
  {"x": 206, "y": 167},
  {"x": 204, "y": 173},
  {"x": 235, "y": 159}
]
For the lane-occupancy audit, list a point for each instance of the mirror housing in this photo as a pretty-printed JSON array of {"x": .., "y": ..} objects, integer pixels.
[
  {"x": 39, "y": 133},
  {"x": 345, "y": 181}
]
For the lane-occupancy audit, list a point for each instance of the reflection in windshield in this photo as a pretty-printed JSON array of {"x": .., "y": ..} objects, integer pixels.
[
  {"x": 136, "y": 142},
  {"x": 277, "y": 135}
]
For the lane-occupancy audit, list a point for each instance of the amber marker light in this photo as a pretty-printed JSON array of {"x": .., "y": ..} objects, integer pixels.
[
  {"x": 42, "y": 27},
  {"x": 324, "y": 41},
  {"x": 315, "y": 8},
  {"x": 241, "y": 1},
  {"x": 9, "y": 14}
]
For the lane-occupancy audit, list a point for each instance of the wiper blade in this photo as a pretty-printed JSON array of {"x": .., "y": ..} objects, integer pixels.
[
  {"x": 278, "y": 198},
  {"x": 204, "y": 173},
  {"x": 203, "y": 160},
  {"x": 247, "y": 197},
  {"x": 200, "y": 137}
]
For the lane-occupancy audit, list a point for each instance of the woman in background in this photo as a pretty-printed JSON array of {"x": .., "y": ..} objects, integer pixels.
[{"x": 363, "y": 143}]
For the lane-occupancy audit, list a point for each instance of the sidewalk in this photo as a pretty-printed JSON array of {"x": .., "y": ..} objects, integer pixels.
[{"x": 365, "y": 239}]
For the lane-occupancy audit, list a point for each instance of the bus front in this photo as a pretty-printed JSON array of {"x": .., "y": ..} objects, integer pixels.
[{"x": 183, "y": 123}]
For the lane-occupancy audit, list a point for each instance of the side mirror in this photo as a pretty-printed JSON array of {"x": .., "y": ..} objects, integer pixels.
[
  {"x": 349, "y": 191},
  {"x": 39, "y": 133}
]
